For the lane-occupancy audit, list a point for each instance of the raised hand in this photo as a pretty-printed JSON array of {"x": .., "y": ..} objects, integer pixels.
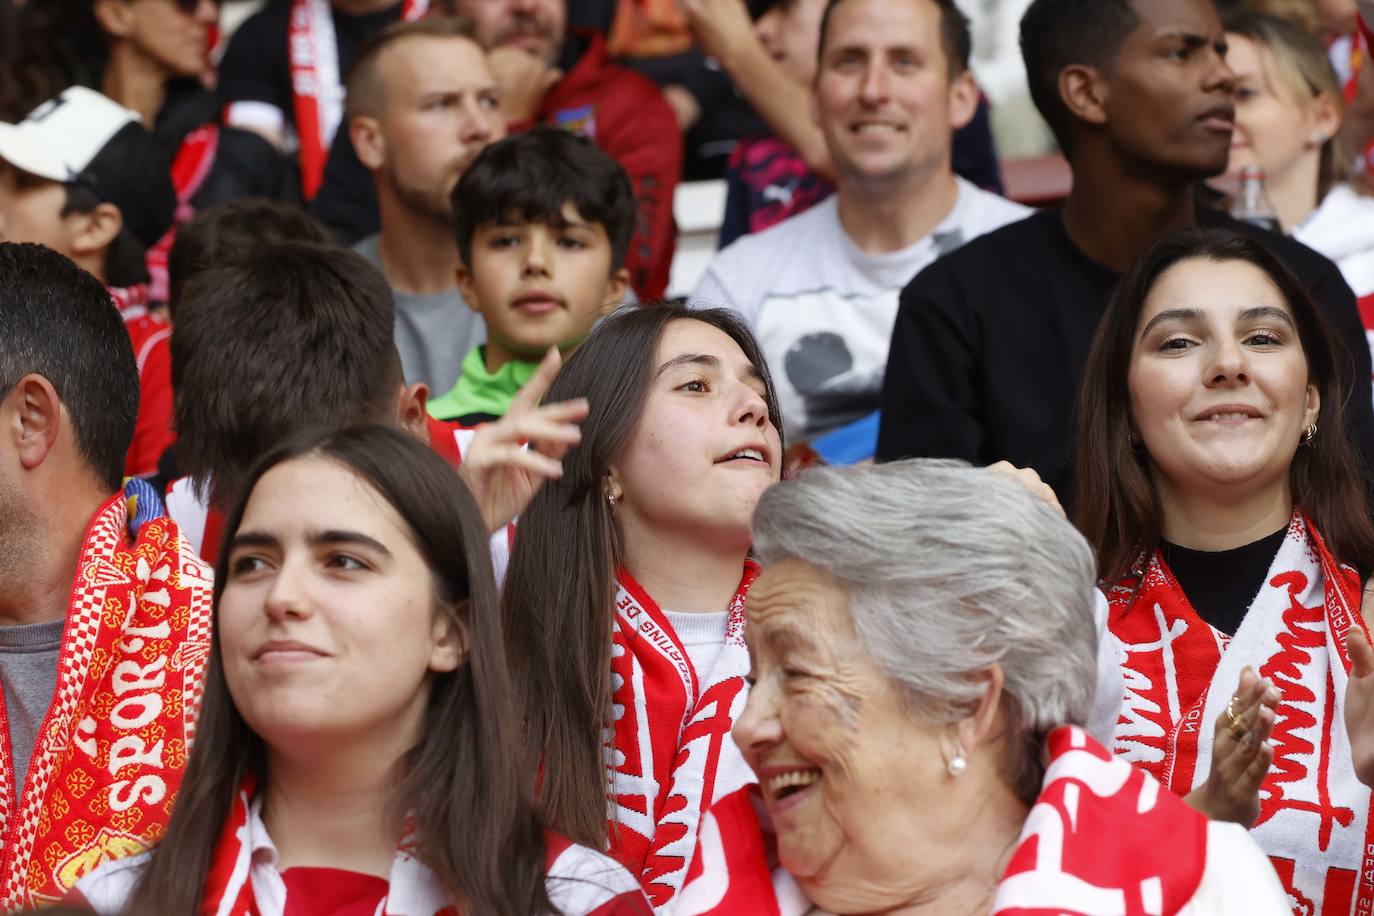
[
  {"x": 1359, "y": 704},
  {"x": 1241, "y": 754},
  {"x": 504, "y": 475},
  {"x": 720, "y": 26}
]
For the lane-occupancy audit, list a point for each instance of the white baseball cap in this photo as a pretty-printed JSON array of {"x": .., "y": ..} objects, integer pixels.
[
  {"x": 61, "y": 137},
  {"x": 84, "y": 138}
]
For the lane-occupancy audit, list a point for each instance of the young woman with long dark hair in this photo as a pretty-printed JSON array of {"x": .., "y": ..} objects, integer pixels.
[
  {"x": 1218, "y": 483},
  {"x": 624, "y": 597},
  {"x": 357, "y": 745}
]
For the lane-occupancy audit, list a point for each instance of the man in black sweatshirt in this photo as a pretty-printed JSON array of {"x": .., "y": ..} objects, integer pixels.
[{"x": 990, "y": 341}]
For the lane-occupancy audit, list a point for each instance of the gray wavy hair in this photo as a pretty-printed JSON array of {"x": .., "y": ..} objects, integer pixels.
[{"x": 949, "y": 569}]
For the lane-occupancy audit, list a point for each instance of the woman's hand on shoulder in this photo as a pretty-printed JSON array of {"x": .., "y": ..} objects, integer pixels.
[
  {"x": 1028, "y": 478},
  {"x": 504, "y": 475},
  {"x": 1241, "y": 753}
]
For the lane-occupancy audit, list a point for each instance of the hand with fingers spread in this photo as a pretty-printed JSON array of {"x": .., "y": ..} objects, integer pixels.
[
  {"x": 1028, "y": 478},
  {"x": 1241, "y": 753},
  {"x": 504, "y": 475},
  {"x": 1359, "y": 704}
]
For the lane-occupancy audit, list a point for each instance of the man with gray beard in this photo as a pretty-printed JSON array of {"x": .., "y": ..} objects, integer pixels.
[{"x": 422, "y": 103}]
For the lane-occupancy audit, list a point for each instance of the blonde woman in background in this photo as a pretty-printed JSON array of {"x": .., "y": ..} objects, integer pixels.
[{"x": 1289, "y": 111}]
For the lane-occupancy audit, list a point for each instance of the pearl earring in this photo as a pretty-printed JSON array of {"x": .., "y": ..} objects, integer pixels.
[{"x": 957, "y": 765}]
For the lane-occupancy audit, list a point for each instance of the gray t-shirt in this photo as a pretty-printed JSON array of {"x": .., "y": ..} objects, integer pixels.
[
  {"x": 433, "y": 332},
  {"x": 28, "y": 672}
]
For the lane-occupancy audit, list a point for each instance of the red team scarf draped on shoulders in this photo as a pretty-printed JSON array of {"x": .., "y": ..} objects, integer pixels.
[
  {"x": 670, "y": 753},
  {"x": 316, "y": 85},
  {"x": 579, "y": 880},
  {"x": 1102, "y": 837},
  {"x": 1179, "y": 672},
  {"x": 109, "y": 756}
]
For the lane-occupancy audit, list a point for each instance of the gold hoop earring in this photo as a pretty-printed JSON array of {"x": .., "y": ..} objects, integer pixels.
[{"x": 1309, "y": 434}]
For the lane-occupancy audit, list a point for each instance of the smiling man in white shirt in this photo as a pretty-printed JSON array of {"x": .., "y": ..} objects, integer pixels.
[{"x": 820, "y": 289}]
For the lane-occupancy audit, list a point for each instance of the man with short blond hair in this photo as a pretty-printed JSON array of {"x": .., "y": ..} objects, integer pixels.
[{"x": 422, "y": 103}]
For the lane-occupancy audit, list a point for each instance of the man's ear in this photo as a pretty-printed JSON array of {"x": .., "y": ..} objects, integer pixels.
[
  {"x": 116, "y": 17},
  {"x": 1083, "y": 90},
  {"x": 410, "y": 409},
  {"x": 466, "y": 289},
  {"x": 963, "y": 100},
  {"x": 615, "y": 291},
  {"x": 31, "y": 418},
  {"x": 366, "y": 133},
  {"x": 88, "y": 234}
]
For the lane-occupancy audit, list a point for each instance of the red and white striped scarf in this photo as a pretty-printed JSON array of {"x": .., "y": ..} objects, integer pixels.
[
  {"x": 669, "y": 748},
  {"x": 109, "y": 757},
  {"x": 194, "y": 160},
  {"x": 1314, "y": 820},
  {"x": 578, "y": 879},
  {"x": 316, "y": 88},
  {"x": 1102, "y": 837},
  {"x": 131, "y": 301}
]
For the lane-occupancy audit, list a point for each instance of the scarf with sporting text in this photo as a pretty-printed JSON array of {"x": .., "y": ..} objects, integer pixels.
[
  {"x": 109, "y": 756},
  {"x": 1102, "y": 837},
  {"x": 669, "y": 748},
  {"x": 1180, "y": 673},
  {"x": 578, "y": 879}
]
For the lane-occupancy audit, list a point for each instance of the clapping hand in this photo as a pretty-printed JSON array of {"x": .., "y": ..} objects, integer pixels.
[
  {"x": 1241, "y": 753},
  {"x": 1359, "y": 704},
  {"x": 504, "y": 475}
]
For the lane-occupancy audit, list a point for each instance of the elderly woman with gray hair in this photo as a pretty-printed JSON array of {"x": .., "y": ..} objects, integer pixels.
[{"x": 924, "y": 655}]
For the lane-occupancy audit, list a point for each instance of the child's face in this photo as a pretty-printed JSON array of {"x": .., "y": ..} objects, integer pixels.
[
  {"x": 31, "y": 210},
  {"x": 540, "y": 285}
]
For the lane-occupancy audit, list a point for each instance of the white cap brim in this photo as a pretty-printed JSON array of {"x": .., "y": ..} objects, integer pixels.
[{"x": 18, "y": 148}]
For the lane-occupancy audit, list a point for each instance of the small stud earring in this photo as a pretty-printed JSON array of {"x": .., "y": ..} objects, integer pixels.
[
  {"x": 610, "y": 497},
  {"x": 957, "y": 765}
]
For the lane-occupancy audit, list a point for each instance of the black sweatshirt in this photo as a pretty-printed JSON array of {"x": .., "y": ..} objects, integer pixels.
[{"x": 990, "y": 343}]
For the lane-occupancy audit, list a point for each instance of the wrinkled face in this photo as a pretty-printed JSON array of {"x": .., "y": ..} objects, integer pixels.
[
  {"x": 883, "y": 97},
  {"x": 441, "y": 111},
  {"x": 790, "y": 32},
  {"x": 31, "y": 210},
  {"x": 852, "y": 782},
  {"x": 535, "y": 25},
  {"x": 1169, "y": 91},
  {"x": 1274, "y": 121},
  {"x": 541, "y": 284},
  {"x": 327, "y": 624},
  {"x": 177, "y": 38},
  {"x": 704, "y": 449},
  {"x": 1219, "y": 384}
]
